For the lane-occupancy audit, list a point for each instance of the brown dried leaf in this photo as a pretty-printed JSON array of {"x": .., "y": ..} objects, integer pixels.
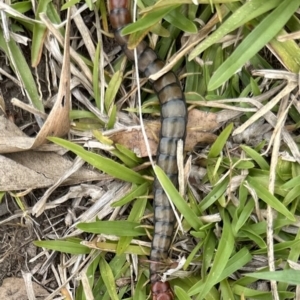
[
  {"x": 32, "y": 170},
  {"x": 199, "y": 128}
]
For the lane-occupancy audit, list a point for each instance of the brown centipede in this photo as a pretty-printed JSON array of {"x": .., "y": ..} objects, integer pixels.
[{"x": 173, "y": 129}]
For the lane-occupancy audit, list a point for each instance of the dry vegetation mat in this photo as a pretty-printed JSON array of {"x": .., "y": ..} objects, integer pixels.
[{"x": 78, "y": 125}]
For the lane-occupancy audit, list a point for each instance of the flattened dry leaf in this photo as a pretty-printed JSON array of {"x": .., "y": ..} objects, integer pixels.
[
  {"x": 32, "y": 169},
  {"x": 199, "y": 128}
]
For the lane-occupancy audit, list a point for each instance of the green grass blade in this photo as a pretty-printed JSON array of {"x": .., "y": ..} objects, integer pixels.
[
  {"x": 108, "y": 279},
  {"x": 289, "y": 276},
  {"x": 112, "y": 247},
  {"x": 237, "y": 261},
  {"x": 112, "y": 90},
  {"x": 220, "y": 142},
  {"x": 148, "y": 20},
  {"x": 181, "y": 293},
  {"x": 15, "y": 54},
  {"x": 257, "y": 157},
  {"x": 270, "y": 199},
  {"x": 71, "y": 247},
  {"x": 258, "y": 38},
  {"x": 214, "y": 195},
  {"x": 102, "y": 163},
  {"x": 38, "y": 34},
  {"x": 135, "y": 215},
  {"x": 137, "y": 191},
  {"x": 96, "y": 76},
  {"x": 179, "y": 202},
  {"x": 178, "y": 20},
  {"x": 245, "y": 13},
  {"x": 224, "y": 251},
  {"x": 118, "y": 228}
]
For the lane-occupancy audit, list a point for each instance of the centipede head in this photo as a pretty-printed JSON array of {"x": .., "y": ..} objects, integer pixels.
[{"x": 161, "y": 291}]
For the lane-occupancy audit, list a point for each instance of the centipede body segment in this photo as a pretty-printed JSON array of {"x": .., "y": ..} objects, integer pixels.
[{"x": 173, "y": 129}]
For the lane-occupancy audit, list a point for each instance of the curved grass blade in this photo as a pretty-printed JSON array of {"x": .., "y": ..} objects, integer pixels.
[
  {"x": 137, "y": 191},
  {"x": 148, "y": 20},
  {"x": 214, "y": 195},
  {"x": 257, "y": 157},
  {"x": 267, "y": 197},
  {"x": 179, "y": 202},
  {"x": 245, "y": 13},
  {"x": 220, "y": 142},
  {"x": 258, "y": 38},
  {"x": 14, "y": 53},
  {"x": 180, "y": 21},
  {"x": 102, "y": 163}
]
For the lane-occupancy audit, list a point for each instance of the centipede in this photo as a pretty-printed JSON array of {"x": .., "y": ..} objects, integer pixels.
[{"x": 173, "y": 112}]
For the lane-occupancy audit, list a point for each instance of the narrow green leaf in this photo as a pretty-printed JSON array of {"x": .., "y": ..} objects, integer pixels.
[
  {"x": 291, "y": 195},
  {"x": 112, "y": 90},
  {"x": 257, "y": 157},
  {"x": 69, "y": 4},
  {"x": 245, "y": 13},
  {"x": 102, "y": 163},
  {"x": 119, "y": 228},
  {"x": 226, "y": 290},
  {"x": 127, "y": 156},
  {"x": 270, "y": 199},
  {"x": 208, "y": 252},
  {"x": 22, "y": 6},
  {"x": 279, "y": 247},
  {"x": 173, "y": 194},
  {"x": 293, "y": 182},
  {"x": 224, "y": 251},
  {"x": 237, "y": 261},
  {"x": 135, "y": 215},
  {"x": 248, "y": 293},
  {"x": 132, "y": 249},
  {"x": 245, "y": 214},
  {"x": 181, "y": 293},
  {"x": 252, "y": 235},
  {"x": 140, "y": 291},
  {"x": 39, "y": 34},
  {"x": 71, "y": 247},
  {"x": 258, "y": 38},
  {"x": 214, "y": 195},
  {"x": 220, "y": 142},
  {"x": 96, "y": 76},
  {"x": 177, "y": 19},
  {"x": 112, "y": 117},
  {"x": 148, "y": 20},
  {"x": 192, "y": 255},
  {"x": 108, "y": 278},
  {"x": 14, "y": 53},
  {"x": 136, "y": 191},
  {"x": 289, "y": 276}
]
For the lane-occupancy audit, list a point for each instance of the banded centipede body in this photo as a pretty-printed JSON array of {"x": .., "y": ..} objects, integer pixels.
[{"x": 173, "y": 129}]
